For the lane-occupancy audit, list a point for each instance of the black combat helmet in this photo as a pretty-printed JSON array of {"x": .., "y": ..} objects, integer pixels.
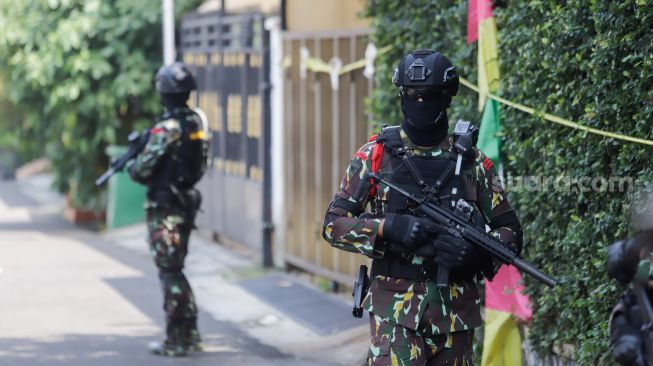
[
  {"x": 428, "y": 81},
  {"x": 427, "y": 69},
  {"x": 175, "y": 79}
]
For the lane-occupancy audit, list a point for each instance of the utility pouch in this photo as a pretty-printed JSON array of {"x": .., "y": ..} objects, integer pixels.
[
  {"x": 161, "y": 197},
  {"x": 194, "y": 201},
  {"x": 189, "y": 201}
]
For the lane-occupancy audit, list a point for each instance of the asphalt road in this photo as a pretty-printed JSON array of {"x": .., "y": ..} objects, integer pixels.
[{"x": 69, "y": 298}]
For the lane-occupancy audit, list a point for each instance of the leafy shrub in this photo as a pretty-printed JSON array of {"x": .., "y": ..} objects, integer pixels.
[
  {"x": 81, "y": 74},
  {"x": 590, "y": 62}
]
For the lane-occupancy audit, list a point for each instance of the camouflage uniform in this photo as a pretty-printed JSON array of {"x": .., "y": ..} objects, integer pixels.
[
  {"x": 417, "y": 322},
  {"x": 169, "y": 223},
  {"x": 626, "y": 321}
]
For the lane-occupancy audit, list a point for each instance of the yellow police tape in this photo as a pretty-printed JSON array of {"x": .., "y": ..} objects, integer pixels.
[
  {"x": 558, "y": 120},
  {"x": 317, "y": 65}
]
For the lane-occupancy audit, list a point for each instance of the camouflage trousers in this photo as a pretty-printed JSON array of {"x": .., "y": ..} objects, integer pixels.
[
  {"x": 168, "y": 240},
  {"x": 396, "y": 345}
]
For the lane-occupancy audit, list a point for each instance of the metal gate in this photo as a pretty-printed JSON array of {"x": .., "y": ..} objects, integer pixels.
[
  {"x": 325, "y": 122},
  {"x": 229, "y": 55}
]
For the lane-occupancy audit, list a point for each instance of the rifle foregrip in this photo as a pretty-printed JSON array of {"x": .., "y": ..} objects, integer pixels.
[{"x": 536, "y": 273}]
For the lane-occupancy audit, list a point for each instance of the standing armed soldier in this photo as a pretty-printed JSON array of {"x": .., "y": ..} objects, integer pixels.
[
  {"x": 172, "y": 162},
  {"x": 413, "y": 319},
  {"x": 630, "y": 262}
]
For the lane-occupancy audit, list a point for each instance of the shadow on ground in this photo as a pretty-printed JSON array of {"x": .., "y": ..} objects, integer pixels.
[{"x": 101, "y": 350}]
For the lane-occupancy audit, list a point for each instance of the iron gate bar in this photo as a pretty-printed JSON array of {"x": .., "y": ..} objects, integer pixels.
[
  {"x": 317, "y": 94},
  {"x": 302, "y": 160},
  {"x": 335, "y": 127},
  {"x": 353, "y": 136},
  {"x": 317, "y": 150},
  {"x": 230, "y": 56}
]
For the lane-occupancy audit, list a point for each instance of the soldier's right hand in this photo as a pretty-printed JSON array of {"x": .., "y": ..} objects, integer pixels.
[
  {"x": 407, "y": 231},
  {"x": 627, "y": 351}
]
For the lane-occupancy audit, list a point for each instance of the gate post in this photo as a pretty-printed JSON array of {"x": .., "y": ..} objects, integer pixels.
[
  {"x": 266, "y": 151},
  {"x": 273, "y": 26}
]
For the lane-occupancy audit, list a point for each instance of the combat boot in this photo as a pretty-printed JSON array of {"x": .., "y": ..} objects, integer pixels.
[
  {"x": 167, "y": 349},
  {"x": 191, "y": 337},
  {"x": 194, "y": 343},
  {"x": 173, "y": 346}
]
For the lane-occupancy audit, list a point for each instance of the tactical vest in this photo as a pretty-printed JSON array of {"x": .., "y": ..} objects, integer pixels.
[
  {"x": 184, "y": 166},
  {"x": 423, "y": 176}
]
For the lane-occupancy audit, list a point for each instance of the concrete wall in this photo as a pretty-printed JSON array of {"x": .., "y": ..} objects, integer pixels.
[
  {"x": 316, "y": 15},
  {"x": 242, "y": 6}
]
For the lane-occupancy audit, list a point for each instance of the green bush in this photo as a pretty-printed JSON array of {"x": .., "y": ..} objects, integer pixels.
[
  {"x": 81, "y": 74},
  {"x": 590, "y": 62},
  {"x": 420, "y": 24}
]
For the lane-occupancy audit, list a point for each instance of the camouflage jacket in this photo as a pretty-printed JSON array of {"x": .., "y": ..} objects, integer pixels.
[
  {"x": 349, "y": 228},
  {"x": 165, "y": 142},
  {"x": 626, "y": 317}
]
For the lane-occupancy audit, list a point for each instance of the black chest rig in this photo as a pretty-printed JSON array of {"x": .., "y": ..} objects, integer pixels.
[
  {"x": 445, "y": 178},
  {"x": 184, "y": 165}
]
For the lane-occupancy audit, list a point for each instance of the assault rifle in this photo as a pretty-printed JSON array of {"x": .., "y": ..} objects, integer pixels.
[
  {"x": 137, "y": 142},
  {"x": 457, "y": 223}
]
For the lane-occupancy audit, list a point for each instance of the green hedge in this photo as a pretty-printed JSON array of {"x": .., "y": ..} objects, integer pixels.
[
  {"x": 590, "y": 62},
  {"x": 81, "y": 73}
]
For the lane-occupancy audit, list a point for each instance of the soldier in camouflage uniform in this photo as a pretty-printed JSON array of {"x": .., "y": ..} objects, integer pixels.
[
  {"x": 630, "y": 261},
  {"x": 413, "y": 321},
  {"x": 173, "y": 160}
]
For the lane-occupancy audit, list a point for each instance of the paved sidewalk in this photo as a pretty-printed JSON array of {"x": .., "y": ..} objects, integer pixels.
[
  {"x": 220, "y": 277},
  {"x": 74, "y": 297}
]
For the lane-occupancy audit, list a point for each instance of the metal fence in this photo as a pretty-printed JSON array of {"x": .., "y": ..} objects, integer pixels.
[
  {"x": 229, "y": 55},
  {"x": 323, "y": 128}
]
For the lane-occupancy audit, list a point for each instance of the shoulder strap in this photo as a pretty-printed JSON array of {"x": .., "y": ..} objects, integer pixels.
[
  {"x": 390, "y": 137},
  {"x": 377, "y": 156}
]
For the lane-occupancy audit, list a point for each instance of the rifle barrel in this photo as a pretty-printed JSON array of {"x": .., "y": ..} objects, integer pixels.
[
  {"x": 534, "y": 272},
  {"x": 104, "y": 177}
]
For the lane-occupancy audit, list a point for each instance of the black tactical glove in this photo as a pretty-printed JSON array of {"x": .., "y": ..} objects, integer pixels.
[
  {"x": 453, "y": 252},
  {"x": 627, "y": 351},
  {"x": 427, "y": 250},
  {"x": 408, "y": 232}
]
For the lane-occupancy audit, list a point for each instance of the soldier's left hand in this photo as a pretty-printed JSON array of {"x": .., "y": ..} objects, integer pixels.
[
  {"x": 453, "y": 252},
  {"x": 426, "y": 250}
]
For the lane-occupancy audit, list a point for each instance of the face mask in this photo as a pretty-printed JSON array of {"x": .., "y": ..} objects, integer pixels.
[
  {"x": 174, "y": 100},
  {"x": 425, "y": 120}
]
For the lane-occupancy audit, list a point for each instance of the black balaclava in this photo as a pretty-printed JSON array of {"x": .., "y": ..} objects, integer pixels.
[
  {"x": 425, "y": 122},
  {"x": 170, "y": 101}
]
